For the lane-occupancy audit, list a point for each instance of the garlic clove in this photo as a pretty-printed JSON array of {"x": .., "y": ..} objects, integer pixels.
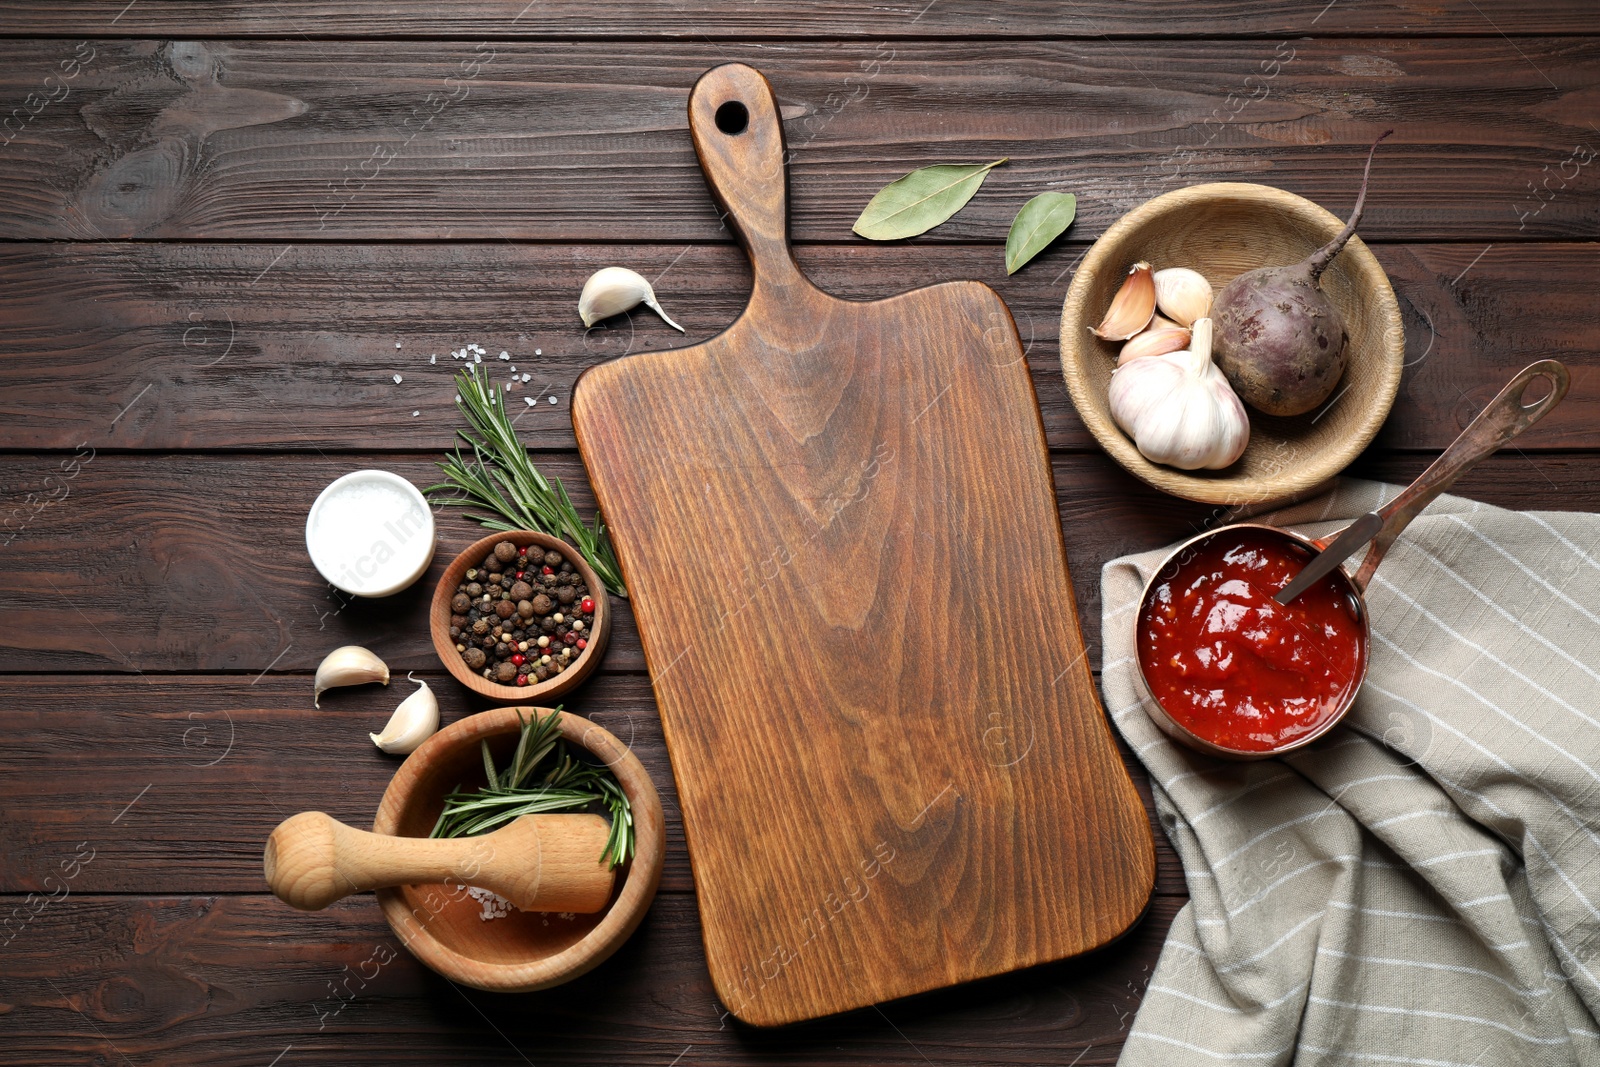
[
  {"x": 1162, "y": 337},
  {"x": 1132, "y": 308},
  {"x": 413, "y": 722},
  {"x": 348, "y": 665},
  {"x": 1182, "y": 295},
  {"x": 1179, "y": 408},
  {"x": 613, "y": 290}
]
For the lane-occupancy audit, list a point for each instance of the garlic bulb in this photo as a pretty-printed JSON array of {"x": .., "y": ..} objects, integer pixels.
[
  {"x": 1183, "y": 295},
  {"x": 1179, "y": 408},
  {"x": 613, "y": 290},
  {"x": 1161, "y": 337},
  {"x": 413, "y": 722},
  {"x": 348, "y": 665},
  {"x": 1132, "y": 308}
]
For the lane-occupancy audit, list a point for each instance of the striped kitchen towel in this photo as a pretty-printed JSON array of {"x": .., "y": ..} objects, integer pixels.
[{"x": 1421, "y": 886}]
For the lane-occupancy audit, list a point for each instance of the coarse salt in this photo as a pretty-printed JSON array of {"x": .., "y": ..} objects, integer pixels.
[
  {"x": 552, "y": 400},
  {"x": 397, "y": 344},
  {"x": 397, "y": 379},
  {"x": 414, "y": 414},
  {"x": 530, "y": 401},
  {"x": 504, "y": 354},
  {"x": 493, "y": 905},
  {"x": 538, "y": 351}
]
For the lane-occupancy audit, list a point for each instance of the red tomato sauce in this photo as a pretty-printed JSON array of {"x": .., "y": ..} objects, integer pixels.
[{"x": 1233, "y": 665}]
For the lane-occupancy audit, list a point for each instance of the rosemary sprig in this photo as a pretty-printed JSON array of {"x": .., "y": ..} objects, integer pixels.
[
  {"x": 567, "y": 785},
  {"x": 499, "y": 478}
]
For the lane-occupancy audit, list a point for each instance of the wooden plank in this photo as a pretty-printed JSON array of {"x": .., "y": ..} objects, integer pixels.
[
  {"x": 740, "y": 19},
  {"x": 197, "y": 563},
  {"x": 237, "y": 981},
  {"x": 300, "y": 140},
  {"x": 257, "y": 347},
  {"x": 203, "y": 782}
]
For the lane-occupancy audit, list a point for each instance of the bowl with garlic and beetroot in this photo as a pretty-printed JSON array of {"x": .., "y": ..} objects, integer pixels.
[
  {"x": 1174, "y": 420},
  {"x": 520, "y": 616}
]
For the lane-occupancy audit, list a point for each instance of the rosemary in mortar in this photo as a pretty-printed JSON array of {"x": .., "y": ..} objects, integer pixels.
[
  {"x": 500, "y": 478},
  {"x": 565, "y": 784}
]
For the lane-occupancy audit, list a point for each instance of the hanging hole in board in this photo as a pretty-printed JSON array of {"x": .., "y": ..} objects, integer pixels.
[
  {"x": 732, "y": 118},
  {"x": 1536, "y": 391}
]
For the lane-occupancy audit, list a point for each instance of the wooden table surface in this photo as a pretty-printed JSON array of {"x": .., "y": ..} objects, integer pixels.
[{"x": 226, "y": 229}]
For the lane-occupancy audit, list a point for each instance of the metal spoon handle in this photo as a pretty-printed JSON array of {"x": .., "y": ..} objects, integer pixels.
[
  {"x": 1339, "y": 549},
  {"x": 1501, "y": 420}
]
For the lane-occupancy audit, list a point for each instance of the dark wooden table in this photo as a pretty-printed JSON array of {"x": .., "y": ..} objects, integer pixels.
[{"x": 227, "y": 227}]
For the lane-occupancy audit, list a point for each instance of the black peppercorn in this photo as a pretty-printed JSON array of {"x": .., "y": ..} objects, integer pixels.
[
  {"x": 566, "y": 594},
  {"x": 493, "y": 566},
  {"x": 474, "y": 658},
  {"x": 474, "y": 590},
  {"x": 505, "y": 609},
  {"x": 547, "y": 624},
  {"x": 481, "y": 626},
  {"x": 552, "y": 558},
  {"x": 459, "y": 621}
]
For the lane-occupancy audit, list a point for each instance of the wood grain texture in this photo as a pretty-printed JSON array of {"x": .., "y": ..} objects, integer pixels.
[
  {"x": 740, "y": 19},
  {"x": 176, "y": 589},
  {"x": 220, "y": 779},
  {"x": 303, "y": 140},
  {"x": 247, "y": 346},
  {"x": 192, "y": 980},
  {"x": 883, "y": 693}
]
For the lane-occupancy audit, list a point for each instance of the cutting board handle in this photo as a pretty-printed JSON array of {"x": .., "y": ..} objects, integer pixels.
[{"x": 738, "y": 136}]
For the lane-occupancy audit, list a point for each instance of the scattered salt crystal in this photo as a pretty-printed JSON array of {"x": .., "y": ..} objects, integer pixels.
[
  {"x": 397, "y": 344},
  {"x": 538, "y": 351},
  {"x": 477, "y": 358},
  {"x": 493, "y": 905},
  {"x": 508, "y": 387},
  {"x": 414, "y": 414},
  {"x": 530, "y": 401},
  {"x": 513, "y": 370},
  {"x": 397, "y": 379},
  {"x": 504, "y": 354},
  {"x": 458, "y": 398},
  {"x": 526, "y": 378},
  {"x": 552, "y": 400},
  {"x": 434, "y": 358}
]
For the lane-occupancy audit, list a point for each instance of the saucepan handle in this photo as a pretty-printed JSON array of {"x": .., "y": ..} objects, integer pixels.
[{"x": 1497, "y": 424}]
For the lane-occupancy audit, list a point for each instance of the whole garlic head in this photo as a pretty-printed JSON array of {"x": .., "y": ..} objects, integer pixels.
[{"x": 1179, "y": 408}]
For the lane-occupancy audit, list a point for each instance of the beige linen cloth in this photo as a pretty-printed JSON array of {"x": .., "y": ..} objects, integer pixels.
[{"x": 1421, "y": 886}]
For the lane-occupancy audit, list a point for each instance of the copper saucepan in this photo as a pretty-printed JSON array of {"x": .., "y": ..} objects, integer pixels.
[{"x": 1497, "y": 424}]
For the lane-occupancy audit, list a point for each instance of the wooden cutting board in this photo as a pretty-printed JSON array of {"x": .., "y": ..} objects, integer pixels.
[{"x": 838, "y": 526}]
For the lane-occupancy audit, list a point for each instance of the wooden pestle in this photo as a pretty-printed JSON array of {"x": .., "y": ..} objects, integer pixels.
[{"x": 538, "y": 862}]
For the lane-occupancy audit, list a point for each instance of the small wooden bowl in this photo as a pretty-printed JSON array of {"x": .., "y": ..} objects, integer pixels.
[
  {"x": 522, "y": 951},
  {"x": 1222, "y": 230},
  {"x": 551, "y": 689}
]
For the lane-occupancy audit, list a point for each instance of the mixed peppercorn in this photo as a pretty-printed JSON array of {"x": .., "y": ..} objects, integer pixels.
[{"x": 522, "y": 616}]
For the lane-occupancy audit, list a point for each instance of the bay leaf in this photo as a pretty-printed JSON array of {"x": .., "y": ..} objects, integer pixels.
[
  {"x": 1041, "y": 220},
  {"x": 921, "y": 200}
]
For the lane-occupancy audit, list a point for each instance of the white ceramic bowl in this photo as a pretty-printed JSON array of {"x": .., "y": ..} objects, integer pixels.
[{"x": 370, "y": 533}]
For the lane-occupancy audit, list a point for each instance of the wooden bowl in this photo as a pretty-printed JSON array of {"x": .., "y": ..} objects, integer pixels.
[
  {"x": 1222, "y": 230},
  {"x": 522, "y": 951},
  {"x": 550, "y": 689}
]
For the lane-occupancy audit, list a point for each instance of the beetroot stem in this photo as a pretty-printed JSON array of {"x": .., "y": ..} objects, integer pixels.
[{"x": 1324, "y": 255}]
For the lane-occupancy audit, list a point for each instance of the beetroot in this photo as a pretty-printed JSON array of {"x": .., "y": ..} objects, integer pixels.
[{"x": 1279, "y": 339}]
